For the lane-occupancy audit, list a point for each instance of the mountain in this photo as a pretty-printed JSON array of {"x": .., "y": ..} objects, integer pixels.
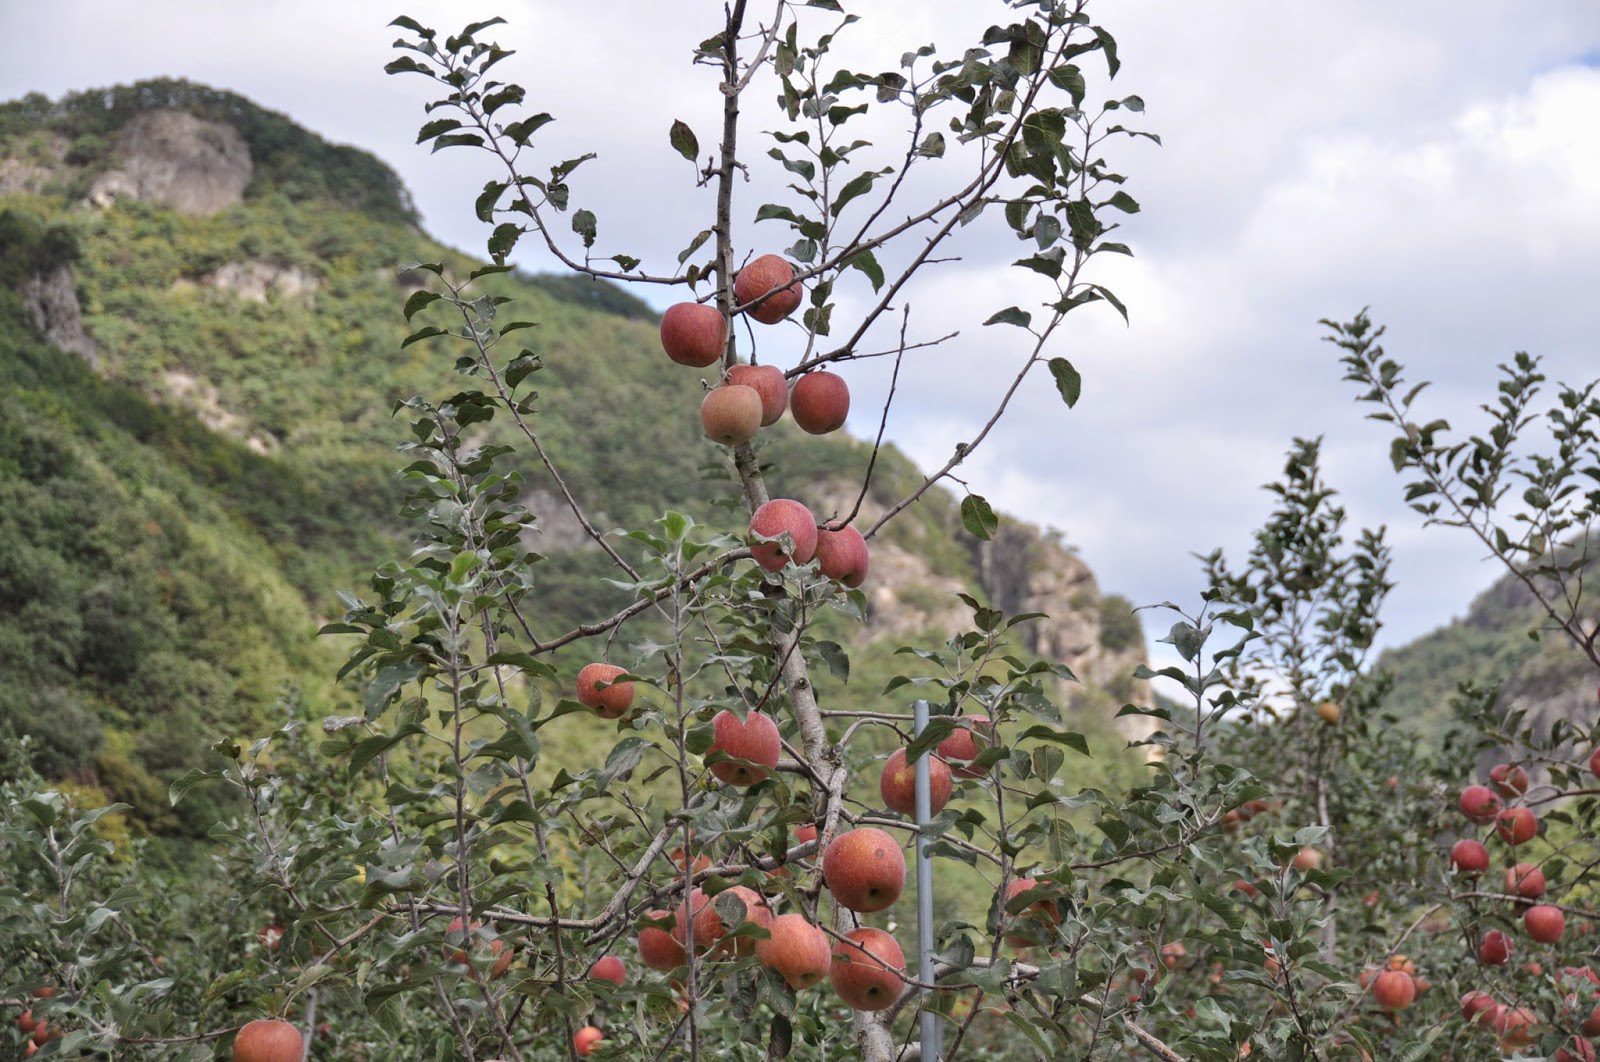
[{"x": 200, "y": 336}]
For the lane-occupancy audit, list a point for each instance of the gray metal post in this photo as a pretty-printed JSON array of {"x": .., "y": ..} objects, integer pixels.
[{"x": 929, "y": 1020}]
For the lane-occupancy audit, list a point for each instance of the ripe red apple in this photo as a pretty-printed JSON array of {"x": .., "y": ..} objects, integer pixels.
[
  {"x": 1591, "y": 1025},
  {"x": 694, "y": 333},
  {"x": 1525, "y": 880},
  {"x": 268, "y": 1040},
  {"x": 1576, "y": 1049},
  {"x": 731, "y": 414},
  {"x": 765, "y": 274},
  {"x": 1517, "y": 826},
  {"x": 26, "y": 1022},
  {"x": 1173, "y": 954},
  {"x": 1479, "y": 804},
  {"x": 769, "y": 382},
  {"x": 1544, "y": 923},
  {"x": 1469, "y": 857},
  {"x": 796, "y": 949},
  {"x": 1495, "y": 949},
  {"x": 1307, "y": 858},
  {"x": 610, "y": 969},
  {"x": 1514, "y": 1026},
  {"x": 657, "y": 948},
  {"x": 454, "y": 937},
  {"x": 783, "y": 516},
  {"x": 1241, "y": 885},
  {"x": 709, "y": 928},
  {"x": 755, "y": 738},
  {"x": 586, "y": 1039},
  {"x": 820, "y": 402},
  {"x": 1594, "y": 763},
  {"x": 598, "y": 689},
  {"x": 1040, "y": 914},
  {"x": 858, "y": 970},
  {"x": 842, "y": 555},
  {"x": 1478, "y": 1008},
  {"x": 1509, "y": 780},
  {"x": 898, "y": 784},
  {"x": 1394, "y": 990},
  {"x": 965, "y": 743},
  {"x": 806, "y": 831},
  {"x": 1329, "y": 712},
  {"x": 864, "y": 869}
]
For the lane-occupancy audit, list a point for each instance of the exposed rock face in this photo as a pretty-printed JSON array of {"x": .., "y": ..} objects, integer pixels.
[
  {"x": 51, "y": 297},
  {"x": 202, "y": 399},
  {"x": 178, "y": 160},
  {"x": 32, "y": 175},
  {"x": 255, "y": 281}
]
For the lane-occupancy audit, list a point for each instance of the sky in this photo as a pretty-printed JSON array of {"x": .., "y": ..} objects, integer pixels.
[{"x": 1439, "y": 162}]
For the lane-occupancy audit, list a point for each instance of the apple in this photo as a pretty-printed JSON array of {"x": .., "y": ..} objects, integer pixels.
[
  {"x": 1250, "y": 891},
  {"x": 754, "y": 739},
  {"x": 1479, "y": 804},
  {"x": 268, "y": 1040},
  {"x": 842, "y": 555},
  {"x": 731, "y": 414},
  {"x": 610, "y": 969},
  {"x": 1514, "y": 1026},
  {"x": 701, "y": 861},
  {"x": 1495, "y": 949},
  {"x": 769, "y": 383},
  {"x": 1509, "y": 780},
  {"x": 1525, "y": 880},
  {"x": 709, "y": 928},
  {"x": 1469, "y": 857},
  {"x": 819, "y": 402},
  {"x": 453, "y": 936},
  {"x": 586, "y": 1039},
  {"x": 1307, "y": 859},
  {"x": 1041, "y": 914},
  {"x": 1544, "y": 923},
  {"x": 599, "y": 689},
  {"x": 1394, "y": 990},
  {"x": 1591, "y": 1025},
  {"x": 796, "y": 949},
  {"x": 898, "y": 784},
  {"x": 694, "y": 334},
  {"x": 1173, "y": 954},
  {"x": 864, "y": 869},
  {"x": 1517, "y": 826},
  {"x": 805, "y": 832},
  {"x": 270, "y": 937},
  {"x": 858, "y": 971},
  {"x": 965, "y": 743},
  {"x": 1329, "y": 712},
  {"x": 1594, "y": 763},
  {"x": 657, "y": 948},
  {"x": 1478, "y": 1008},
  {"x": 1576, "y": 1049},
  {"x": 769, "y": 273},
  {"x": 783, "y": 516}
]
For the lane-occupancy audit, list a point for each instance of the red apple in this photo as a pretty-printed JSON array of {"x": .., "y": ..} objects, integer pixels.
[
  {"x": 598, "y": 689},
  {"x": 657, "y": 947},
  {"x": 1509, "y": 780},
  {"x": 1307, "y": 859},
  {"x": 694, "y": 333},
  {"x": 769, "y": 273},
  {"x": 842, "y": 555},
  {"x": 1576, "y": 1049},
  {"x": 755, "y": 738},
  {"x": 731, "y": 414},
  {"x": 1469, "y": 857},
  {"x": 268, "y": 1040},
  {"x": 898, "y": 784},
  {"x": 610, "y": 969},
  {"x": 1517, "y": 826},
  {"x": 1479, "y": 804},
  {"x": 586, "y": 1040},
  {"x": 709, "y": 928},
  {"x": 1525, "y": 880},
  {"x": 270, "y": 937},
  {"x": 1478, "y": 1008},
  {"x": 864, "y": 869},
  {"x": 1594, "y": 763},
  {"x": 1591, "y": 1025},
  {"x": 796, "y": 949},
  {"x": 1031, "y": 918},
  {"x": 1495, "y": 949},
  {"x": 1514, "y": 1026},
  {"x": 806, "y": 831},
  {"x": 866, "y": 969},
  {"x": 455, "y": 938},
  {"x": 769, "y": 383},
  {"x": 782, "y": 516},
  {"x": 965, "y": 743},
  {"x": 1544, "y": 923},
  {"x": 820, "y": 402},
  {"x": 1394, "y": 990}
]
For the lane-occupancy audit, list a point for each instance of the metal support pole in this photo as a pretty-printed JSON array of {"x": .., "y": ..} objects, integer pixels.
[{"x": 929, "y": 1020}]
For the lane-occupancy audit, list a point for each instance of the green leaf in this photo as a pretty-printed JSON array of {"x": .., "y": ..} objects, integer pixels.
[
  {"x": 191, "y": 778},
  {"x": 868, "y": 264},
  {"x": 417, "y": 301},
  {"x": 683, "y": 140},
  {"x": 583, "y": 223},
  {"x": 1011, "y": 316},
  {"x": 858, "y": 186},
  {"x": 421, "y": 334},
  {"x": 503, "y": 239},
  {"x": 977, "y": 517},
  {"x": 1068, "y": 382}
]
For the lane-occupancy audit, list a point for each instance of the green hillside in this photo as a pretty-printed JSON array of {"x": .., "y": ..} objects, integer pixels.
[{"x": 177, "y": 517}]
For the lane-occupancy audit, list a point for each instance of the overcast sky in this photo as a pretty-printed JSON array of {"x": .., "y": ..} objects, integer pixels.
[{"x": 1438, "y": 161}]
